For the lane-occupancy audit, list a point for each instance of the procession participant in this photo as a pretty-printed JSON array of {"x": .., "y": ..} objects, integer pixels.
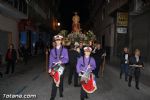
[
  {"x": 81, "y": 46},
  {"x": 73, "y": 56},
  {"x": 85, "y": 64},
  {"x": 124, "y": 63},
  {"x": 57, "y": 59},
  {"x": 11, "y": 58},
  {"x": 91, "y": 44},
  {"x": 136, "y": 64},
  {"x": 98, "y": 56}
]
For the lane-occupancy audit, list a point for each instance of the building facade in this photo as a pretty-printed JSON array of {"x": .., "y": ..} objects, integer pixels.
[
  {"x": 139, "y": 27},
  {"x": 120, "y": 23},
  {"x": 25, "y": 22},
  {"x": 11, "y": 13}
]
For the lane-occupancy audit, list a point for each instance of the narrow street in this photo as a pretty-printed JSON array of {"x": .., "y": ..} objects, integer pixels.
[
  {"x": 115, "y": 31},
  {"x": 32, "y": 79}
]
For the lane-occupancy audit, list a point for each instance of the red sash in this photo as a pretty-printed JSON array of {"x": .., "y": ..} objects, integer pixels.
[{"x": 90, "y": 85}]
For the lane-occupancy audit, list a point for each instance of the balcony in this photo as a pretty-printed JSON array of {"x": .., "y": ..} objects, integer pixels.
[{"x": 14, "y": 8}]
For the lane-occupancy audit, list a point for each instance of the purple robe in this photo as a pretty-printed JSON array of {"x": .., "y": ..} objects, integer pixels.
[
  {"x": 57, "y": 55},
  {"x": 83, "y": 67}
]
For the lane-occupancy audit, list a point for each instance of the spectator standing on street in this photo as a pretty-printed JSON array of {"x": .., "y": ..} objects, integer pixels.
[
  {"x": 124, "y": 63},
  {"x": 25, "y": 54},
  {"x": 136, "y": 64},
  {"x": 11, "y": 58},
  {"x": 20, "y": 49}
]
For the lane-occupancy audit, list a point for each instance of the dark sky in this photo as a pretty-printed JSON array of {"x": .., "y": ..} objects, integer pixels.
[{"x": 67, "y": 9}]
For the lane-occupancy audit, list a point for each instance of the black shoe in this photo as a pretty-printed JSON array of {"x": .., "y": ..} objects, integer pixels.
[
  {"x": 76, "y": 85},
  {"x": 52, "y": 98},
  {"x": 120, "y": 76},
  {"x": 137, "y": 87},
  {"x": 129, "y": 84},
  {"x": 97, "y": 76},
  {"x": 86, "y": 96},
  {"x": 126, "y": 79},
  {"x": 61, "y": 95},
  {"x": 6, "y": 72},
  {"x": 1, "y": 75},
  {"x": 82, "y": 99},
  {"x": 69, "y": 83}
]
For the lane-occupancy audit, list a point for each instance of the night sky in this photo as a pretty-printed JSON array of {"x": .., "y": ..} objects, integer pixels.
[{"x": 67, "y": 9}]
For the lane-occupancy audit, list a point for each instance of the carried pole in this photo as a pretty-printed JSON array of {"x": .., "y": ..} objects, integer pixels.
[{"x": 46, "y": 60}]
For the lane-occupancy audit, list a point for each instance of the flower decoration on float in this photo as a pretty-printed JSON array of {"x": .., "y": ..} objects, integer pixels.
[
  {"x": 63, "y": 33},
  {"x": 90, "y": 35}
]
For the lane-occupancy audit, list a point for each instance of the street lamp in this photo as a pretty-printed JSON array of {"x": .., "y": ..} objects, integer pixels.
[{"x": 58, "y": 23}]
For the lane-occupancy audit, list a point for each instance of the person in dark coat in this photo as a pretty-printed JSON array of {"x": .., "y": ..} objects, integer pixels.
[
  {"x": 124, "y": 63},
  {"x": 73, "y": 56},
  {"x": 136, "y": 64},
  {"x": 58, "y": 54},
  {"x": 81, "y": 46},
  {"x": 20, "y": 48},
  {"x": 98, "y": 56},
  {"x": 11, "y": 58},
  {"x": 25, "y": 54}
]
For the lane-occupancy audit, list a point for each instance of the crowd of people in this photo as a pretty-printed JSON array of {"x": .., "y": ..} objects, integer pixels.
[
  {"x": 77, "y": 59},
  {"x": 81, "y": 60}
]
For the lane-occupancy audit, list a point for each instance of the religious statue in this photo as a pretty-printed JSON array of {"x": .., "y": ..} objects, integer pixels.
[{"x": 76, "y": 24}]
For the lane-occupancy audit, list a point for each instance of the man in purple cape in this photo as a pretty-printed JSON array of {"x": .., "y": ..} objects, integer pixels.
[
  {"x": 83, "y": 64},
  {"x": 58, "y": 54}
]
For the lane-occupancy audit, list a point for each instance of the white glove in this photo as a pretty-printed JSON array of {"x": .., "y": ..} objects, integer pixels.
[
  {"x": 49, "y": 71},
  {"x": 81, "y": 73},
  {"x": 60, "y": 62}
]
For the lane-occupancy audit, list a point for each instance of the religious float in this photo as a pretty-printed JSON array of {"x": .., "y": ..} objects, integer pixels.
[{"x": 76, "y": 34}]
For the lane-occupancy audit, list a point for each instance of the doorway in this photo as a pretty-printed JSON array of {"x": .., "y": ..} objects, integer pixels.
[{"x": 5, "y": 40}]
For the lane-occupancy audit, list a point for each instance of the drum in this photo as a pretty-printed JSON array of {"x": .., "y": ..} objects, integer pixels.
[
  {"x": 88, "y": 82},
  {"x": 56, "y": 72},
  {"x": 85, "y": 76}
]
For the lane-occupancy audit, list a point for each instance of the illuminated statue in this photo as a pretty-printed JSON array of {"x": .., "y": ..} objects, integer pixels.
[{"x": 76, "y": 24}]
